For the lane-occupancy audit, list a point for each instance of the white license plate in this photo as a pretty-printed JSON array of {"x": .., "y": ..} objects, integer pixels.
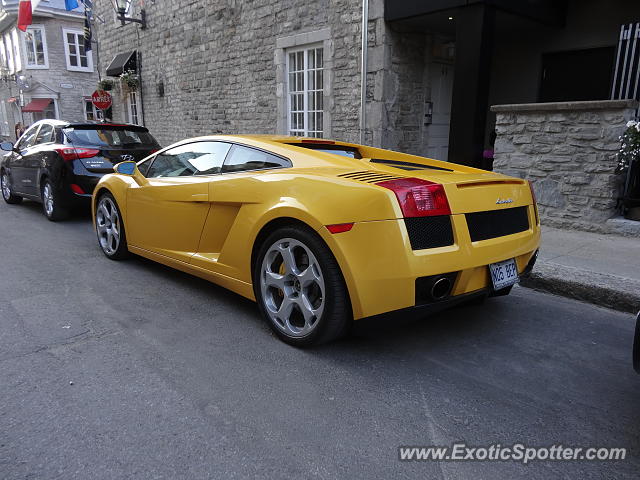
[{"x": 503, "y": 274}]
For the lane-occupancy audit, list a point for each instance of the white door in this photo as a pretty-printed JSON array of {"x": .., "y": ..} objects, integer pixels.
[{"x": 441, "y": 76}]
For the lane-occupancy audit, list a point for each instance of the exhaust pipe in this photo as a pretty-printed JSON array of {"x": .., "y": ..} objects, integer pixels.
[{"x": 441, "y": 288}]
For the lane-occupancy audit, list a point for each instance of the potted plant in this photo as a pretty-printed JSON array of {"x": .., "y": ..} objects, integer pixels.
[
  {"x": 105, "y": 84},
  {"x": 629, "y": 166},
  {"x": 129, "y": 81}
]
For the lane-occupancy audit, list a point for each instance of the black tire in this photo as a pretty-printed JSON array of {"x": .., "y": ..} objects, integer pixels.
[
  {"x": 105, "y": 242},
  {"x": 51, "y": 206},
  {"x": 7, "y": 191},
  {"x": 336, "y": 316}
]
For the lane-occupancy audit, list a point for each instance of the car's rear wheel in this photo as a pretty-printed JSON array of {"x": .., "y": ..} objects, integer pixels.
[
  {"x": 51, "y": 202},
  {"x": 7, "y": 192},
  {"x": 300, "y": 289},
  {"x": 110, "y": 228}
]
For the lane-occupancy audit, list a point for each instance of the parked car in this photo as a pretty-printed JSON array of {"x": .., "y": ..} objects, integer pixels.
[
  {"x": 321, "y": 232},
  {"x": 59, "y": 163}
]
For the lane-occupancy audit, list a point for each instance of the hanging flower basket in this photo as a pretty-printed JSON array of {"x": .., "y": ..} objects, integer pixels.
[
  {"x": 105, "y": 84},
  {"x": 630, "y": 148},
  {"x": 129, "y": 82}
]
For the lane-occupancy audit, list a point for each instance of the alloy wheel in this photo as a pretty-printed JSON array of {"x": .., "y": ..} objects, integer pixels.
[
  {"x": 47, "y": 199},
  {"x": 6, "y": 189},
  {"x": 292, "y": 287},
  {"x": 108, "y": 225}
]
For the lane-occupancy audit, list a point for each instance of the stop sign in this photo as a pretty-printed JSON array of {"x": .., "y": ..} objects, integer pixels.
[{"x": 101, "y": 99}]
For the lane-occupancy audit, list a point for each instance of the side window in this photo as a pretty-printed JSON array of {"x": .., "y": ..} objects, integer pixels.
[
  {"x": 28, "y": 138},
  {"x": 198, "y": 158},
  {"x": 242, "y": 159},
  {"x": 45, "y": 134},
  {"x": 144, "y": 166}
]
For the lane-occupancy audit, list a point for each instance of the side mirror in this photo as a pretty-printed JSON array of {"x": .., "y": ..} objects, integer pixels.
[
  {"x": 126, "y": 168},
  {"x": 6, "y": 146},
  {"x": 130, "y": 169}
]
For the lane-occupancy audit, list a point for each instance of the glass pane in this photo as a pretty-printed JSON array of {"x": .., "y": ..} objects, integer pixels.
[
  {"x": 31, "y": 57},
  {"x": 71, "y": 38},
  {"x": 319, "y": 99},
  {"x": 311, "y": 80},
  {"x": 312, "y": 101},
  {"x": 73, "y": 60},
  {"x": 83, "y": 62},
  {"x": 319, "y": 79},
  {"x": 319, "y": 58},
  {"x": 245, "y": 158},
  {"x": 73, "y": 50}
]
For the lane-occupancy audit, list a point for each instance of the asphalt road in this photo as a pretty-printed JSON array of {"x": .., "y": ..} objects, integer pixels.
[{"x": 173, "y": 377}]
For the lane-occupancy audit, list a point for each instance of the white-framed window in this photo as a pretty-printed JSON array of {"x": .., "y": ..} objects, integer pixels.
[
  {"x": 16, "y": 50},
  {"x": 133, "y": 113},
  {"x": 305, "y": 91},
  {"x": 78, "y": 60},
  {"x": 91, "y": 113},
  {"x": 35, "y": 47}
]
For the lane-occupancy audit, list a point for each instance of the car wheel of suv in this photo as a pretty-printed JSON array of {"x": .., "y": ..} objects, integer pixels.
[
  {"x": 51, "y": 204},
  {"x": 300, "y": 289},
  {"x": 110, "y": 229},
  {"x": 7, "y": 193}
]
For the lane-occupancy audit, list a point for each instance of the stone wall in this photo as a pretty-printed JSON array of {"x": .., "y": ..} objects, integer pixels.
[
  {"x": 216, "y": 59},
  {"x": 568, "y": 150}
]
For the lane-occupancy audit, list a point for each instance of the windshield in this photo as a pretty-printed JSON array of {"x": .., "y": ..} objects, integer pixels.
[{"x": 110, "y": 137}]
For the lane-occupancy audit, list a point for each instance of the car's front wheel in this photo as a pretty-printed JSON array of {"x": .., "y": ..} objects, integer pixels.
[
  {"x": 51, "y": 202},
  {"x": 110, "y": 228},
  {"x": 7, "y": 192},
  {"x": 300, "y": 289}
]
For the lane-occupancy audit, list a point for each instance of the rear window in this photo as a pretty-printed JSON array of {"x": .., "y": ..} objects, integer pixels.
[
  {"x": 341, "y": 150},
  {"x": 111, "y": 137}
]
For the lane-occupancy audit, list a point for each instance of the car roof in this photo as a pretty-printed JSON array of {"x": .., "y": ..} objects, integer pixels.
[{"x": 65, "y": 124}]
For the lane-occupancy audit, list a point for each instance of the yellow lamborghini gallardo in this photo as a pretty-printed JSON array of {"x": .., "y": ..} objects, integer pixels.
[{"x": 320, "y": 232}]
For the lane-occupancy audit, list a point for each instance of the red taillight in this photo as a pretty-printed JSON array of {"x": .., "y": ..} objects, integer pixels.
[
  {"x": 77, "y": 189},
  {"x": 419, "y": 198},
  {"x": 73, "y": 153},
  {"x": 154, "y": 151},
  {"x": 340, "y": 227}
]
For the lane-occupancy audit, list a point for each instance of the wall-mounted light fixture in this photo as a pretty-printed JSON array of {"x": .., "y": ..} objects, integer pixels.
[{"x": 122, "y": 6}]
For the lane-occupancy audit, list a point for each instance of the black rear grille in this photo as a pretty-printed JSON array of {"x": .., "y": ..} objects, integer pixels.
[
  {"x": 429, "y": 232},
  {"x": 497, "y": 223}
]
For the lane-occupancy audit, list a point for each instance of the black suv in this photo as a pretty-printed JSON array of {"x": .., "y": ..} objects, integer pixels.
[{"x": 59, "y": 163}]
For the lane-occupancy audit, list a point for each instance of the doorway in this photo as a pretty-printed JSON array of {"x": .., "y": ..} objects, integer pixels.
[{"x": 441, "y": 81}]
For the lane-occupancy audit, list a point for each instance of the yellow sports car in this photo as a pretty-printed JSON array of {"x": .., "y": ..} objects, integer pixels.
[{"x": 321, "y": 232}]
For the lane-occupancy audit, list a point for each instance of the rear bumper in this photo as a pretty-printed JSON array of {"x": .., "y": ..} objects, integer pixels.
[{"x": 381, "y": 269}]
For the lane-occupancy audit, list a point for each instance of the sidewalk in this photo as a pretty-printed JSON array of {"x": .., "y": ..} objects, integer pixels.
[{"x": 596, "y": 268}]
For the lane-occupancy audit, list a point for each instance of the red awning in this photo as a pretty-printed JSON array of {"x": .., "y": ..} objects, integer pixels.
[{"x": 37, "y": 105}]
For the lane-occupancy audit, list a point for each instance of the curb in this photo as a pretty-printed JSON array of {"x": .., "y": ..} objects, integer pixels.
[{"x": 610, "y": 291}]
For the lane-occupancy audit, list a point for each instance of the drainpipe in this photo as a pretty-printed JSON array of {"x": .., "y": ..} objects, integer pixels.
[{"x": 363, "y": 70}]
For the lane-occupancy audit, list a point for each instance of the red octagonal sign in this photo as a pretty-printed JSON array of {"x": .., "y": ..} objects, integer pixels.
[{"x": 101, "y": 99}]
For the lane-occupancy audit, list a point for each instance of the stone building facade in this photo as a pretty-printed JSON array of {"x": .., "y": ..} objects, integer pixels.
[
  {"x": 45, "y": 62},
  {"x": 568, "y": 150},
  {"x": 212, "y": 66}
]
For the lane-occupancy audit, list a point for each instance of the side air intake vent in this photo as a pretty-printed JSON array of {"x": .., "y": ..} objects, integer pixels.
[{"x": 369, "y": 176}]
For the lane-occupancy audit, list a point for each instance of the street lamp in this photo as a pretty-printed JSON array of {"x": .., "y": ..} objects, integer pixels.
[{"x": 121, "y": 7}]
